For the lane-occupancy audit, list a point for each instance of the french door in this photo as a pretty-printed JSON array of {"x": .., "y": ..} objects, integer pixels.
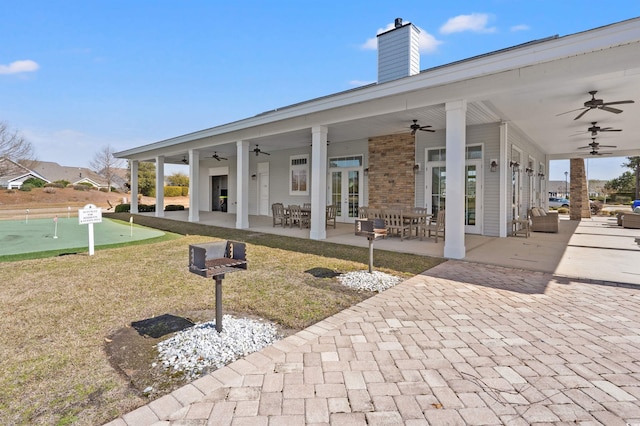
[
  {"x": 436, "y": 191},
  {"x": 345, "y": 194}
]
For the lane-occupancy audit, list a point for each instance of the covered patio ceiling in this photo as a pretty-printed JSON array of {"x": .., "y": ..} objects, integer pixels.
[{"x": 534, "y": 98}]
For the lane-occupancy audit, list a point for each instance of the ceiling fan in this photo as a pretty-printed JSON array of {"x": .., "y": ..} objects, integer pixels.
[
  {"x": 415, "y": 127},
  {"x": 594, "y": 103},
  {"x": 184, "y": 160},
  {"x": 596, "y": 152},
  {"x": 217, "y": 157},
  {"x": 594, "y": 129},
  {"x": 596, "y": 146},
  {"x": 258, "y": 151}
]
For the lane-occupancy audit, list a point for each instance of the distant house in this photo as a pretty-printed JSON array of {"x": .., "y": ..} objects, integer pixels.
[
  {"x": 13, "y": 174},
  {"x": 74, "y": 175}
]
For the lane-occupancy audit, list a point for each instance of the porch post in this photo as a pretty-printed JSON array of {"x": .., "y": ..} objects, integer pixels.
[
  {"x": 194, "y": 185},
  {"x": 242, "y": 188},
  {"x": 159, "y": 186},
  {"x": 134, "y": 187},
  {"x": 318, "y": 182},
  {"x": 505, "y": 177},
  {"x": 455, "y": 144}
]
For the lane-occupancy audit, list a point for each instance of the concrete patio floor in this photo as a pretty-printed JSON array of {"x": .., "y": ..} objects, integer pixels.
[{"x": 539, "y": 330}]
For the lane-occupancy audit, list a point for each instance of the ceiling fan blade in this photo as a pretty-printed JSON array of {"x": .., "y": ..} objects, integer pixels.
[
  {"x": 607, "y": 146},
  {"x": 265, "y": 153},
  {"x": 582, "y": 113},
  {"x": 609, "y": 129},
  {"x": 618, "y": 102},
  {"x": 613, "y": 110},
  {"x": 573, "y": 110}
]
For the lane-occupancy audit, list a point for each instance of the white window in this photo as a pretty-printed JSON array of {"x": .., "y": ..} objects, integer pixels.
[{"x": 299, "y": 175}]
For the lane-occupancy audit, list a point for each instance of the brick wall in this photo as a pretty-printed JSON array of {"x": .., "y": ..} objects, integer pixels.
[
  {"x": 391, "y": 176},
  {"x": 579, "y": 200}
]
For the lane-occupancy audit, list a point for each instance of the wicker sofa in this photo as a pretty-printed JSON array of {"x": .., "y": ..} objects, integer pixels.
[
  {"x": 631, "y": 220},
  {"x": 543, "y": 221}
]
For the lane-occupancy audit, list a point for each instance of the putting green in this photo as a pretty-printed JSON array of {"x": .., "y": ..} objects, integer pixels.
[{"x": 35, "y": 235}]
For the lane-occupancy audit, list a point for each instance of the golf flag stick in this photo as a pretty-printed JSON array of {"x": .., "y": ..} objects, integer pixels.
[{"x": 55, "y": 232}]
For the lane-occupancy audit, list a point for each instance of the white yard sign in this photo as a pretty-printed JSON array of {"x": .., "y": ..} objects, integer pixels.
[{"x": 88, "y": 215}]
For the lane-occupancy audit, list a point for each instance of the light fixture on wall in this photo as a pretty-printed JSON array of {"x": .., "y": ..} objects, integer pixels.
[
  {"x": 493, "y": 166},
  {"x": 529, "y": 171},
  {"x": 541, "y": 175},
  {"x": 514, "y": 164},
  {"x": 366, "y": 171},
  {"x": 254, "y": 176},
  {"x": 416, "y": 168}
]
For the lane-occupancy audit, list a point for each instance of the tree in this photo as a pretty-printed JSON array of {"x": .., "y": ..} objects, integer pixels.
[
  {"x": 146, "y": 177},
  {"x": 14, "y": 146},
  {"x": 178, "y": 179},
  {"x": 106, "y": 165},
  {"x": 633, "y": 163},
  {"x": 623, "y": 183}
]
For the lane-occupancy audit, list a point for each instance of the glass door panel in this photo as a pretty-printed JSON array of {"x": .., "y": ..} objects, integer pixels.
[{"x": 336, "y": 191}]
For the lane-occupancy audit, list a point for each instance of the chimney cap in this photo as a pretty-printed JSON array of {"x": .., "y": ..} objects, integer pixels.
[{"x": 398, "y": 22}]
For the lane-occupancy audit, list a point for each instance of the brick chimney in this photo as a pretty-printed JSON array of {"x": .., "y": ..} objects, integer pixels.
[{"x": 398, "y": 52}]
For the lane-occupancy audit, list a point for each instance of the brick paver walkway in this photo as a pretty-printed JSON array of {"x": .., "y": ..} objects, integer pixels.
[{"x": 463, "y": 344}]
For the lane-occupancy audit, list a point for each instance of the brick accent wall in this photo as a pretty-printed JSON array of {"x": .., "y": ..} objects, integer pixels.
[
  {"x": 579, "y": 199},
  {"x": 391, "y": 176}
]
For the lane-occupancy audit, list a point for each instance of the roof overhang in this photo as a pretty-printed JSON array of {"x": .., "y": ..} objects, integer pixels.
[{"x": 528, "y": 86}]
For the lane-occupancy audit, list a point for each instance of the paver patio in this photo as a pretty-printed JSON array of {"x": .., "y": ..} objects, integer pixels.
[{"x": 463, "y": 343}]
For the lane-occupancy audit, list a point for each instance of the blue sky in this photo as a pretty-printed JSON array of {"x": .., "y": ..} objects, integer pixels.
[{"x": 76, "y": 75}]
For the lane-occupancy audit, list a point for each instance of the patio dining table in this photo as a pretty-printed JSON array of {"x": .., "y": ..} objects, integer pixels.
[{"x": 414, "y": 219}]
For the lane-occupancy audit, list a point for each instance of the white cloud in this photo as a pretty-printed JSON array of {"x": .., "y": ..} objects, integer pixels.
[
  {"x": 428, "y": 43},
  {"x": 521, "y": 27},
  {"x": 18, "y": 67},
  {"x": 476, "y": 22}
]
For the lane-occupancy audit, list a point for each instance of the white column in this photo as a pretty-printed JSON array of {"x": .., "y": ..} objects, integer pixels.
[
  {"x": 505, "y": 179},
  {"x": 194, "y": 185},
  {"x": 159, "y": 186},
  {"x": 318, "y": 182},
  {"x": 134, "y": 186},
  {"x": 242, "y": 188},
  {"x": 455, "y": 143}
]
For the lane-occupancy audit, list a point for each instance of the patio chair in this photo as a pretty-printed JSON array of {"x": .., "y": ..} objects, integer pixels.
[
  {"x": 280, "y": 216},
  {"x": 436, "y": 227},
  {"x": 374, "y": 214},
  {"x": 306, "y": 206},
  {"x": 420, "y": 223},
  {"x": 332, "y": 211},
  {"x": 363, "y": 212},
  {"x": 297, "y": 218},
  {"x": 395, "y": 223}
]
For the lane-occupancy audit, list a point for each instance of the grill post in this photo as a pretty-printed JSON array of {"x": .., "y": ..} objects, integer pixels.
[
  {"x": 372, "y": 229},
  {"x": 214, "y": 260},
  {"x": 218, "y": 279}
]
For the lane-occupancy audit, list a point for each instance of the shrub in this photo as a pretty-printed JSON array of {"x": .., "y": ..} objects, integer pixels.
[
  {"x": 146, "y": 208},
  {"x": 55, "y": 185},
  {"x": 11, "y": 191},
  {"x": 185, "y": 191},
  {"x": 62, "y": 182},
  {"x": 563, "y": 210},
  {"x": 49, "y": 190},
  {"x": 26, "y": 187},
  {"x": 173, "y": 207},
  {"x": 172, "y": 191},
  {"x": 34, "y": 182},
  {"x": 81, "y": 187},
  {"x": 123, "y": 208}
]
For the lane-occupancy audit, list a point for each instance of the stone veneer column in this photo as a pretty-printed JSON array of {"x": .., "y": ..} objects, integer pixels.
[
  {"x": 391, "y": 176},
  {"x": 579, "y": 199}
]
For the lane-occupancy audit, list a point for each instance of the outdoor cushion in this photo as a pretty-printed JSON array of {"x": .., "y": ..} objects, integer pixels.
[{"x": 535, "y": 212}]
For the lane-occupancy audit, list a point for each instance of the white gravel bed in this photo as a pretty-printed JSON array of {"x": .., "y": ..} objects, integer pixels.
[
  {"x": 374, "y": 281},
  {"x": 196, "y": 350}
]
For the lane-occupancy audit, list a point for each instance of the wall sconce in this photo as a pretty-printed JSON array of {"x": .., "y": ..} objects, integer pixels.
[
  {"x": 541, "y": 175},
  {"x": 416, "y": 168},
  {"x": 366, "y": 171},
  {"x": 493, "y": 166},
  {"x": 514, "y": 164},
  {"x": 254, "y": 177},
  {"x": 529, "y": 171}
]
